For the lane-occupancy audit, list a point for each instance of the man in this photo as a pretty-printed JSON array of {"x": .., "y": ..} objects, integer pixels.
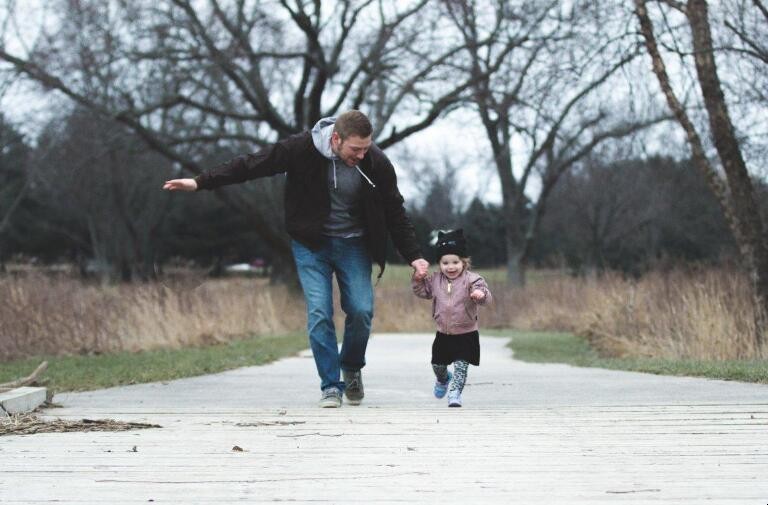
[{"x": 341, "y": 201}]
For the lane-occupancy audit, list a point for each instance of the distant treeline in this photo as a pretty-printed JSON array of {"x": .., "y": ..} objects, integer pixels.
[
  {"x": 88, "y": 193},
  {"x": 627, "y": 215}
]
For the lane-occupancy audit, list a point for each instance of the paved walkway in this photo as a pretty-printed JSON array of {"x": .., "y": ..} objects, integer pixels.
[{"x": 528, "y": 433}]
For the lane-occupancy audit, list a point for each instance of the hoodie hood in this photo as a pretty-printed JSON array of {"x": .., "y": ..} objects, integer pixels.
[{"x": 321, "y": 137}]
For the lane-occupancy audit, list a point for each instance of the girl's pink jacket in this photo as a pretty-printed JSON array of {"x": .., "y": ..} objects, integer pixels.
[{"x": 453, "y": 310}]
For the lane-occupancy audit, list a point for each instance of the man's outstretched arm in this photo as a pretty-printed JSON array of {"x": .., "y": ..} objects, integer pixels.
[{"x": 272, "y": 159}]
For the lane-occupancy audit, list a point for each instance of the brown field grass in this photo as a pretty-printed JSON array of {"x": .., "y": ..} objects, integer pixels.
[
  {"x": 704, "y": 314},
  {"x": 60, "y": 315}
]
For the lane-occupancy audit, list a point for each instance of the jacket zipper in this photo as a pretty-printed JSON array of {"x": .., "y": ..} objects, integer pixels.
[{"x": 450, "y": 305}]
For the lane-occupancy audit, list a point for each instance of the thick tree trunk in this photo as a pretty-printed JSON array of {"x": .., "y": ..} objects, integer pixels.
[
  {"x": 752, "y": 244},
  {"x": 515, "y": 246},
  {"x": 737, "y": 199},
  {"x": 514, "y": 240}
]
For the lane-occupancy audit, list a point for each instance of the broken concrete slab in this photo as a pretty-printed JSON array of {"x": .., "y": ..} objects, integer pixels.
[{"x": 23, "y": 399}]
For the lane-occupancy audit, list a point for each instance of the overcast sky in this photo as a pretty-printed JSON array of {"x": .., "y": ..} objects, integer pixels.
[{"x": 461, "y": 141}]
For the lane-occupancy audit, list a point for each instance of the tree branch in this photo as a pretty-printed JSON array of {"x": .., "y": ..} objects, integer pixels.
[
  {"x": 697, "y": 148},
  {"x": 26, "y": 380}
]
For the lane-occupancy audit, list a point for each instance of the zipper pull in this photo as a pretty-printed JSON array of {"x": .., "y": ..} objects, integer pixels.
[{"x": 449, "y": 287}]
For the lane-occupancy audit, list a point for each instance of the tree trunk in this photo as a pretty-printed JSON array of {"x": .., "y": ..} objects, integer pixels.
[
  {"x": 510, "y": 197},
  {"x": 737, "y": 198},
  {"x": 752, "y": 244},
  {"x": 515, "y": 250}
]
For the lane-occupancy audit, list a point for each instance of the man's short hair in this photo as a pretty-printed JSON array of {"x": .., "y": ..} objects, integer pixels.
[{"x": 353, "y": 122}]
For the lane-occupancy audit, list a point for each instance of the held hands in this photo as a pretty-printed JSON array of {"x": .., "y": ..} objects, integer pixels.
[
  {"x": 180, "y": 185},
  {"x": 477, "y": 295},
  {"x": 420, "y": 268}
]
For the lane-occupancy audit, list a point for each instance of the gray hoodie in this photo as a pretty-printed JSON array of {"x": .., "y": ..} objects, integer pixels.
[{"x": 344, "y": 186}]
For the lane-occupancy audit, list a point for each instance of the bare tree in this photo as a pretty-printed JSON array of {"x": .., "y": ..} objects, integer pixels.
[
  {"x": 617, "y": 213},
  {"x": 735, "y": 192},
  {"x": 14, "y": 180},
  {"x": 536, "y": 69},
  {"x": 190, "y": 77},
  {"x": 631, "y": 215},
  {"x": 439, "y": 206},
  {"x": 749, "y": 23},
  {"x": 93, "y": 174},
  {"x": 741, "y": 30}
]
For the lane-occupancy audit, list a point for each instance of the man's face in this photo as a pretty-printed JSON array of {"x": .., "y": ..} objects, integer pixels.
[
  {"x": 352, "y": 149},
  {"x": 451, "y": 265}
]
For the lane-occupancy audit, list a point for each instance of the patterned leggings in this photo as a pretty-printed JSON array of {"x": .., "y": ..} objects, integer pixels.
[{"x": 459, "y": 374}]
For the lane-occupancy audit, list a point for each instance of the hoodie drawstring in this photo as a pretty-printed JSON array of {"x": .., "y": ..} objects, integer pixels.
[
  {"x": 358, "y": 169},
  {"x": 365, "y": 177}
]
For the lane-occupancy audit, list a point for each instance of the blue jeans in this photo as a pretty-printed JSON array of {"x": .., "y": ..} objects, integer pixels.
[{"x": 348, "y": 258}]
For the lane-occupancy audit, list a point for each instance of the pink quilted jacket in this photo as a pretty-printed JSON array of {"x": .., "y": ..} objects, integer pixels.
[{"x": 453, "y": 310}]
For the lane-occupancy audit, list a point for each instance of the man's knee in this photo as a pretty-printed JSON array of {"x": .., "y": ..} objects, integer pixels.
[
  {"x": 320, "y": 314},
  {"x": 360, "y": 311}
]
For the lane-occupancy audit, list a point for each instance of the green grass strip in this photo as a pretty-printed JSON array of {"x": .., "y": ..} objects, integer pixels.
[
  {"x": 82, "y": 373},
  {"x": 552, "y": 347}
]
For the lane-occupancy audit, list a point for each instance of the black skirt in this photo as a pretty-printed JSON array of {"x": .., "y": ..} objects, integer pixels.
[{"x": 449, "y": 348}]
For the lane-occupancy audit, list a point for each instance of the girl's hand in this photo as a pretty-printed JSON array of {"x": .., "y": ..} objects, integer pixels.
[
  {"x": 420, "y": 268},
  {"x": 477, "y": 295}
]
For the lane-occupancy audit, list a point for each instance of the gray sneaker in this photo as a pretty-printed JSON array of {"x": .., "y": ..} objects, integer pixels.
[
  {"x": 331, "y": 398},
  {"x": 354, "y": 386}
]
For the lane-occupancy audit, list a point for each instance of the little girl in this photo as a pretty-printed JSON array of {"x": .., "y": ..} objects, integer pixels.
[{"x": 455, "y": 293}]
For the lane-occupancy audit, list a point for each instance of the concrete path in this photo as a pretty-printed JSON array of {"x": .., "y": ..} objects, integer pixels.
[{"x": 528, "y": 433}]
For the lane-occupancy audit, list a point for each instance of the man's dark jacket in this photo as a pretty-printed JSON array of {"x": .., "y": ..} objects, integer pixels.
[{"x": 307, "y": 198}]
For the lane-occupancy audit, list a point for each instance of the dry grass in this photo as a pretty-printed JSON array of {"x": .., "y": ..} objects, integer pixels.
[
  {"x": 707, "y": 315},
  {"x": 699, "y": 315},
  {"x": 63, "y": 316},
  {"x": 30, "y": 423}
]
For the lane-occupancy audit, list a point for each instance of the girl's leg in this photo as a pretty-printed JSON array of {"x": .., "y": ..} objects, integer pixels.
[
  {"x": 457, "y": 384},
  {"x": 441, "y": 373},
  {"x": 459, "y": 376},
  {"x": 443, "y": 377}
]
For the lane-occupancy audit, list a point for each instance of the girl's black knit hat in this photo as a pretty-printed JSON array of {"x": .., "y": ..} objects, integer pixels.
[{"x": 451, "y": 242}]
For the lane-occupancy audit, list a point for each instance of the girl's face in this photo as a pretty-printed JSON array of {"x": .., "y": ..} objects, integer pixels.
[{"x": 451, "y": 266}]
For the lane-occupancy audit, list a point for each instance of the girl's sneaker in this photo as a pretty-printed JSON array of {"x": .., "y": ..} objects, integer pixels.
[
  {"x": 454, "y": 399},
  {"x": 441, "y": 388}
]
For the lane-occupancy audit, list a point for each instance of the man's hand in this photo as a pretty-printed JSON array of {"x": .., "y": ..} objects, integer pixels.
[
  {"x": 477, "y": 295},
  {"x": 420, "y": 268},
  {"x": 180, "y": 185}
]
